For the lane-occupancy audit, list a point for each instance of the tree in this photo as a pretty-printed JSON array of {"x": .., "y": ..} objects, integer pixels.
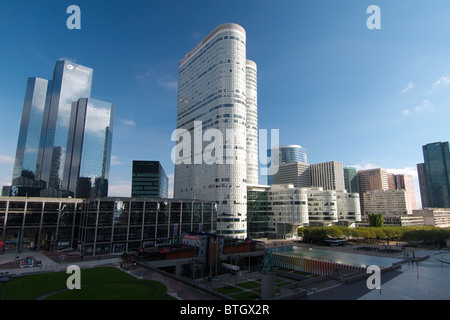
[{"x": 375, "y": 220}]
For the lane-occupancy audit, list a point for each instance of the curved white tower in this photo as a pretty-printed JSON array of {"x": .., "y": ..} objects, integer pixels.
[{"x": 217, "y": 103}]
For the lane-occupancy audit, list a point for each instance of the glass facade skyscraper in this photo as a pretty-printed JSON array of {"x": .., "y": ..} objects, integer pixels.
[
  {"x": 24, "y": 173},
  {"x": 65, "y": 137},
  {"x": 87, "y": 161},
  {"x": 149, "y": 180},
  {"x": 437, "y": 174},
  {"x": 70, "y": 82},
  {"x": 350, "y": 179}
]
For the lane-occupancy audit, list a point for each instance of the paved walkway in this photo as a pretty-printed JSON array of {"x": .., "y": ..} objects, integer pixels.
[
  {"x": 427, "y": 280},
  {"x": 49, "y": 263}
]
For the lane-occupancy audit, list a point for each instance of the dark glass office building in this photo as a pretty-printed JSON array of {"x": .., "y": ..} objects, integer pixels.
[
  {"x": 65, "y": 137},
  {"x": 437, "y": 174},
  {"x": 149, "y": 180},
  {"x": 351, "y": 180}
]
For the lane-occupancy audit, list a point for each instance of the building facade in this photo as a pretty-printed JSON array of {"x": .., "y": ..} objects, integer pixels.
[
  {"x": 327, "y": 175},
  {"x": 437, "y": 173},
  {"x": 296, "y": 173},
  {"x": 217, "y": 112},
  {"x": 371, "y": 180},
  {"x": 387, "y": 202},
  {"x": 99, "y": 226},
  {"x": 288, "y": 154},
  {"x": 61, "y": 128},
  {"x": 289, "y": 210},
  {"x": 422, "y": 184},
  {"x": 149, "y": 180},
  {"x": 348, "y": 207},
  {"x": 88, "y": 151},
  {"x": 350, "y": 180}
]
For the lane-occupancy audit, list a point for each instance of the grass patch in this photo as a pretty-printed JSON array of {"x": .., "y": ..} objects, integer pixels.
[
  {"x": 96, "y": 284},
  {"x": 227, "y": 290},
  {"x": 249, "y": 285},
  {"x": 247, "y": 295}
]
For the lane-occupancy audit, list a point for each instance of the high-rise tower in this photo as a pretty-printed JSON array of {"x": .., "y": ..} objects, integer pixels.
[
  {"x": 437, "y": 173},
  {"x": 64, "y": 145},
  {"x": 217, "y": 114}
]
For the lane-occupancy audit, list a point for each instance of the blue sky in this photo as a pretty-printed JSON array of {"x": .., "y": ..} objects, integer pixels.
[{"x": 367, "y": 98}]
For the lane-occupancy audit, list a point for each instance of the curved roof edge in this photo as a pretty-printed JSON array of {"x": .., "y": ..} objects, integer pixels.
[
  {"x": 221, "y": 27},
  {"x": 251, "y": 63}
]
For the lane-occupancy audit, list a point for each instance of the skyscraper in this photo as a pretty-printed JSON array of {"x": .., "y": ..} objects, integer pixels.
[
  {"x": 70, "y": 82},
  {"x": 371, "y": 180},
  {"x": 217, "y": 112},
  {"x": 437, "y": 173},
  {"x": 288, "y": 154},
  {"x": 296, "y": 173},
  {"x": 406, "y": 182},
  {"x": 328, "y": 175},
  {"x": 350, "y": 179},
  {"x": 65, "y": 137},
  {"x": 88, "y": 153},
  {"x": 149, "y": 180},
  {"x": 422, "y": 184},
  {"x": 24, "y": 173}
]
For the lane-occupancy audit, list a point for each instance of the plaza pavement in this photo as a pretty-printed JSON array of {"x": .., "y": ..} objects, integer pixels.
[{"x": 426, "y": 280}]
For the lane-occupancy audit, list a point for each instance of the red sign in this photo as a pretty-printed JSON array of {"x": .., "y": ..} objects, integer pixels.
[{"x": 1, "y": 244}]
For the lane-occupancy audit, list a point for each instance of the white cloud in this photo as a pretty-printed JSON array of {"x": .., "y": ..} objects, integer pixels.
[
  {"x": 120, "y": 189},
  {"x": 365, "y": 166},
  {"x": 129, "y": 122},
  {"x": 410, "y": 86},
  {"x": 412, "y": 171},
  {"x": 425, "y": 105},
  {"x": 142, "y": 77},
  {"x": 442, "y": 81},
  {"x": 115, "y": 160},
  {"x": 168, "y": 85},
  {"x": 6, "y": 159}
]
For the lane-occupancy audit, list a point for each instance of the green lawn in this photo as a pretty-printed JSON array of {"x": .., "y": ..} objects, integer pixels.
[{"x": 96, "y": 284}]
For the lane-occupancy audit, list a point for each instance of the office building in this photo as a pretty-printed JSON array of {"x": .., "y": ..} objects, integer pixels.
[
  {"x": 288, "y": 154},
  {"x": 64, "y": 144},
  {"x": 387, "y": 202},
  {"x": 437, "y": 174},
  {"x": 350, "y": 180},
  {"x": 99, "y": 226},
  {"x": 88, "y": 152},
  {"x": 422, "y": 184},
  {"x": 436, "y": 217},
  {"x": 276, "y": 211},
  {"x": 322, "y": 207},
  {"x": 258, "y": 212},
  {"x": 217, "y": 113},
  {"x": 24, "y": 172},
  {"x": 295, "y": 173},
  {"x": 348, "y": 207},
  {"x": 149, "y": 180},
  {"x": 406, "y": 182},
  {"x": 370, "y": 180},
  {"x": 289, "y": 210},
  {"x": 327, "y": 175}
]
